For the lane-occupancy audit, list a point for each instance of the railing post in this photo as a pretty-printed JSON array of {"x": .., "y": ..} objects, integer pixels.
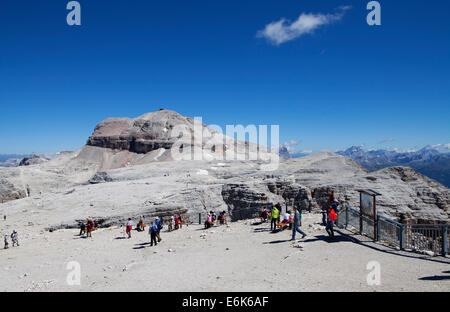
[
  {"x": 360, "y": 223},
  {"x": 377, "y": 235},
  {"x": 402, "y": 237},
  {"x": 346, "y": 216},
  {"x": 444, "y": 240}
]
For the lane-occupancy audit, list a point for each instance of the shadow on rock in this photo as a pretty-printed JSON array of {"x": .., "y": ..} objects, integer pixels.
[{"x": 278, "y": 241}]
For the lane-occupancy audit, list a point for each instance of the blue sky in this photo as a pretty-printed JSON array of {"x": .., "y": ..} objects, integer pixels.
[{"x": 343, "y": 84}]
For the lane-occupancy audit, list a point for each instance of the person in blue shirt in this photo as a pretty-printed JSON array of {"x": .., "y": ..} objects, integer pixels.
[
  {"x": 153, "y": 230},
  {"x": 159, "y": 225}
]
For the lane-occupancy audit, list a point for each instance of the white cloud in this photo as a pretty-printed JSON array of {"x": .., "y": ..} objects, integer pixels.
[{"x": 283, "y": 30}]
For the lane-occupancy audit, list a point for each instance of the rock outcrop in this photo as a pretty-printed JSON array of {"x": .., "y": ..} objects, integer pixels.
[
  {"x": 9, "y": 192},
  {"x": 144, "y": 134},
  {"x": 32, "y": 160}
]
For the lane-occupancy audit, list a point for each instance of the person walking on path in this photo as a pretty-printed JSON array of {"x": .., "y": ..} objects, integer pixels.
[
  {"x": 129, "y": 227},
  {"x": 6, "y": 242},
  {"x": 90, "y": 227},
  {"x": 15, "y": 238},
  {"x": 297, "y": 223},
  {"x": 325, "y": 210},
  {"x": 332, "y": 217},
  {"x": 159, "y": 226},
  {"x": 171, "y": 224},
  {"x": 152, "y": 231},
  {"x": 141, "y": 225},
  {"x": 274, "y": 216}
]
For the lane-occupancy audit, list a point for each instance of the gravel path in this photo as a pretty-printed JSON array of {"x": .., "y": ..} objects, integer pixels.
[{"x": 240, "y": 257}]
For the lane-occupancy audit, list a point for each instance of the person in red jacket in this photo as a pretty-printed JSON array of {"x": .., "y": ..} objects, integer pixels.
[
  {"x": 90, "y": 227},
  {"x": 332, "y": 217}
]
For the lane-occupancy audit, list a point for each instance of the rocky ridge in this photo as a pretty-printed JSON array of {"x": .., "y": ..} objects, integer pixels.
[{"x": 109, "y": 179}]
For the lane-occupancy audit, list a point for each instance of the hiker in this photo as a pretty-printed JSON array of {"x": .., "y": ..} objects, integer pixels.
[
  {"x": 330, "y": 222},
  {"x": 297, "y": 223},
  {"x": 90, "y": 227},
  {"x": 325, "y": 209},
  {"x": 274, "y": 215},
  {"x": 141, "y": 224},
  {"x": 159, "y": 225},
  {"x": 334, "y": 206},
  {"x": 324, "y": 216},
  {"x": 213, "y": 216},
  {"x": 15, "y": 238},
  {"x": 82, "y": 228},
  {"x": 223, "y": 217},
  {"x": 177, "y": 223},
  {"x": 264, "y": 214},
  {"x": 209, "y": 221},
  {"x": 6, "y": 242},
  {"x": 171, "y": 224},
  {"x": 286, "y": 217},
  {"x": 331, "y": 199},
  {"x": 280, "y": 209},
  {"x": 290, "y": 219},
  {"x": 152, "y": 231},
  {"x": 129, "y": 227},
  {"x": 180, "y": 221}
]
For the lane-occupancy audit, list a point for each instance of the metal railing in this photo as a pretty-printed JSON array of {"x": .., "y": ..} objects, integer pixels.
[
  {"x": 425, "y": 237},
  {"x": 389, "y": 231},
  {"x": 433, "y": 238}
]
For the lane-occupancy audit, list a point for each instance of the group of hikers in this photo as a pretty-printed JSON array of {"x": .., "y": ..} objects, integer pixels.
[
  {"x": 14, "y": 238},
  {"x": 212, "y": 218},
  {"x": 87, "y": 228},
  {"x": 293, "y": 219},
  {"x": 155, "y": 228}
]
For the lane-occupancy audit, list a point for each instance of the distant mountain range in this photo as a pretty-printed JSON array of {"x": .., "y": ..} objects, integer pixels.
[
  {"x": 10, "y": 160},
  {"x": 14, "y": 160},
  {"x": 428, "y": 161}
]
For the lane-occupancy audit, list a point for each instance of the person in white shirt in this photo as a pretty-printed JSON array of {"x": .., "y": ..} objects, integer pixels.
[
  {"x": 129, "y": 227},
  {"x": 15, "y": 238}
]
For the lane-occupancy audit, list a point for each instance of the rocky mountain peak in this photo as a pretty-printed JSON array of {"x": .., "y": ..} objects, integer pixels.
[{"x": 143, "y": 134}]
